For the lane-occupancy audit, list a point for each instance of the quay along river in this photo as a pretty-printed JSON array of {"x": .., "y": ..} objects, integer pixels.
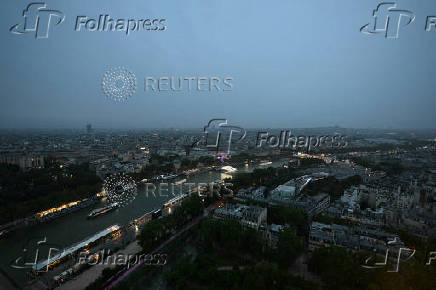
[{"x": 65, "y": 231}]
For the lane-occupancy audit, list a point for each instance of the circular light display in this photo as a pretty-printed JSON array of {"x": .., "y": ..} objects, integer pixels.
[
  {"x": 119, "y": 84},
  {"x": 120, "y": 189}
]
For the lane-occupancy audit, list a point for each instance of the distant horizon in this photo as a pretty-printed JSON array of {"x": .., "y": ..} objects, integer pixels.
[
  {"x": 201, "y": 128},
  {"x": 127, "y": 126}
]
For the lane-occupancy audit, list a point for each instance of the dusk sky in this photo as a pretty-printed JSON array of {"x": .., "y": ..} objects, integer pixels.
[{"x": 293, "y": 63}]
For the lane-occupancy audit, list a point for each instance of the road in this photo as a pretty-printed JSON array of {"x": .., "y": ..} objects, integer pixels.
[
  {"x": 173, "y": 237},
  {"x": 89, "y": 276},
  {"x": 192, "y": 223}
]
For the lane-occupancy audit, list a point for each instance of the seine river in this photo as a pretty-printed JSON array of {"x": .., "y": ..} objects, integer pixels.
[{"x": 75, "y": 227}]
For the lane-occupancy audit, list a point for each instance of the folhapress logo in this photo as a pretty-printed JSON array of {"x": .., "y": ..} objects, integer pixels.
[
  {"x": 38, "y": 20},
  {"x": 37, "y": 254},
  {"x": 218, "y": 135},
  {"x": 388, "y": 20}
]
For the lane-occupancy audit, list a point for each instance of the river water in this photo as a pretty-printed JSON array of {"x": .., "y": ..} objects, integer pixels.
[{"x": 75, "y": 227}]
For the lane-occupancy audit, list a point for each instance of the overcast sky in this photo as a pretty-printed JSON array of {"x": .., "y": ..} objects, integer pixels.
[{"x": 293, "y": 63}]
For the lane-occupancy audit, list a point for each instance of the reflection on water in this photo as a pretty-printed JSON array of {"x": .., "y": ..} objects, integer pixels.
[
  {"x": 75, "y": 227},
  {"x": 225, "y": 176}
]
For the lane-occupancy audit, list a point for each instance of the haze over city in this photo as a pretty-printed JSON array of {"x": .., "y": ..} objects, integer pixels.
[
  {"x": 187, "y": 144},
  {"x": 293, "y": 64}
]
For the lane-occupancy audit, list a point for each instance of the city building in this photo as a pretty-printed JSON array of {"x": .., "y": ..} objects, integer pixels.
[
  {"x": 250, "y": 216},
  {"x": 353, "y": 238}
]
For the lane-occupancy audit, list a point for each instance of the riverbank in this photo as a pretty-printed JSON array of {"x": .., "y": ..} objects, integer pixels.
[
  {"x": 75, "y": 227},
  {"x": 48, "y": 215},
  {"x": 87, "y": 277}
]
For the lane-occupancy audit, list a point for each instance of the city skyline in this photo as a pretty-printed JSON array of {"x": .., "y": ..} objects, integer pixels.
[{"x": 217, "y": 145}]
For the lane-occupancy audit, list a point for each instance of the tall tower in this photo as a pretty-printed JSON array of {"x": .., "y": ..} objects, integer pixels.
[
  {"x": 397, "y": 196},
  {"x": 89, "y": 128},
  {"x": 416, "y": 193},
  {"x": 372, "y": 198},
  {"x": 416, "y": 196}
]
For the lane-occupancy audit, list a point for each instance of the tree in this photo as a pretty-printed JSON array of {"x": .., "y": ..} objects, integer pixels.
[{"x": 289, "y": 246}]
